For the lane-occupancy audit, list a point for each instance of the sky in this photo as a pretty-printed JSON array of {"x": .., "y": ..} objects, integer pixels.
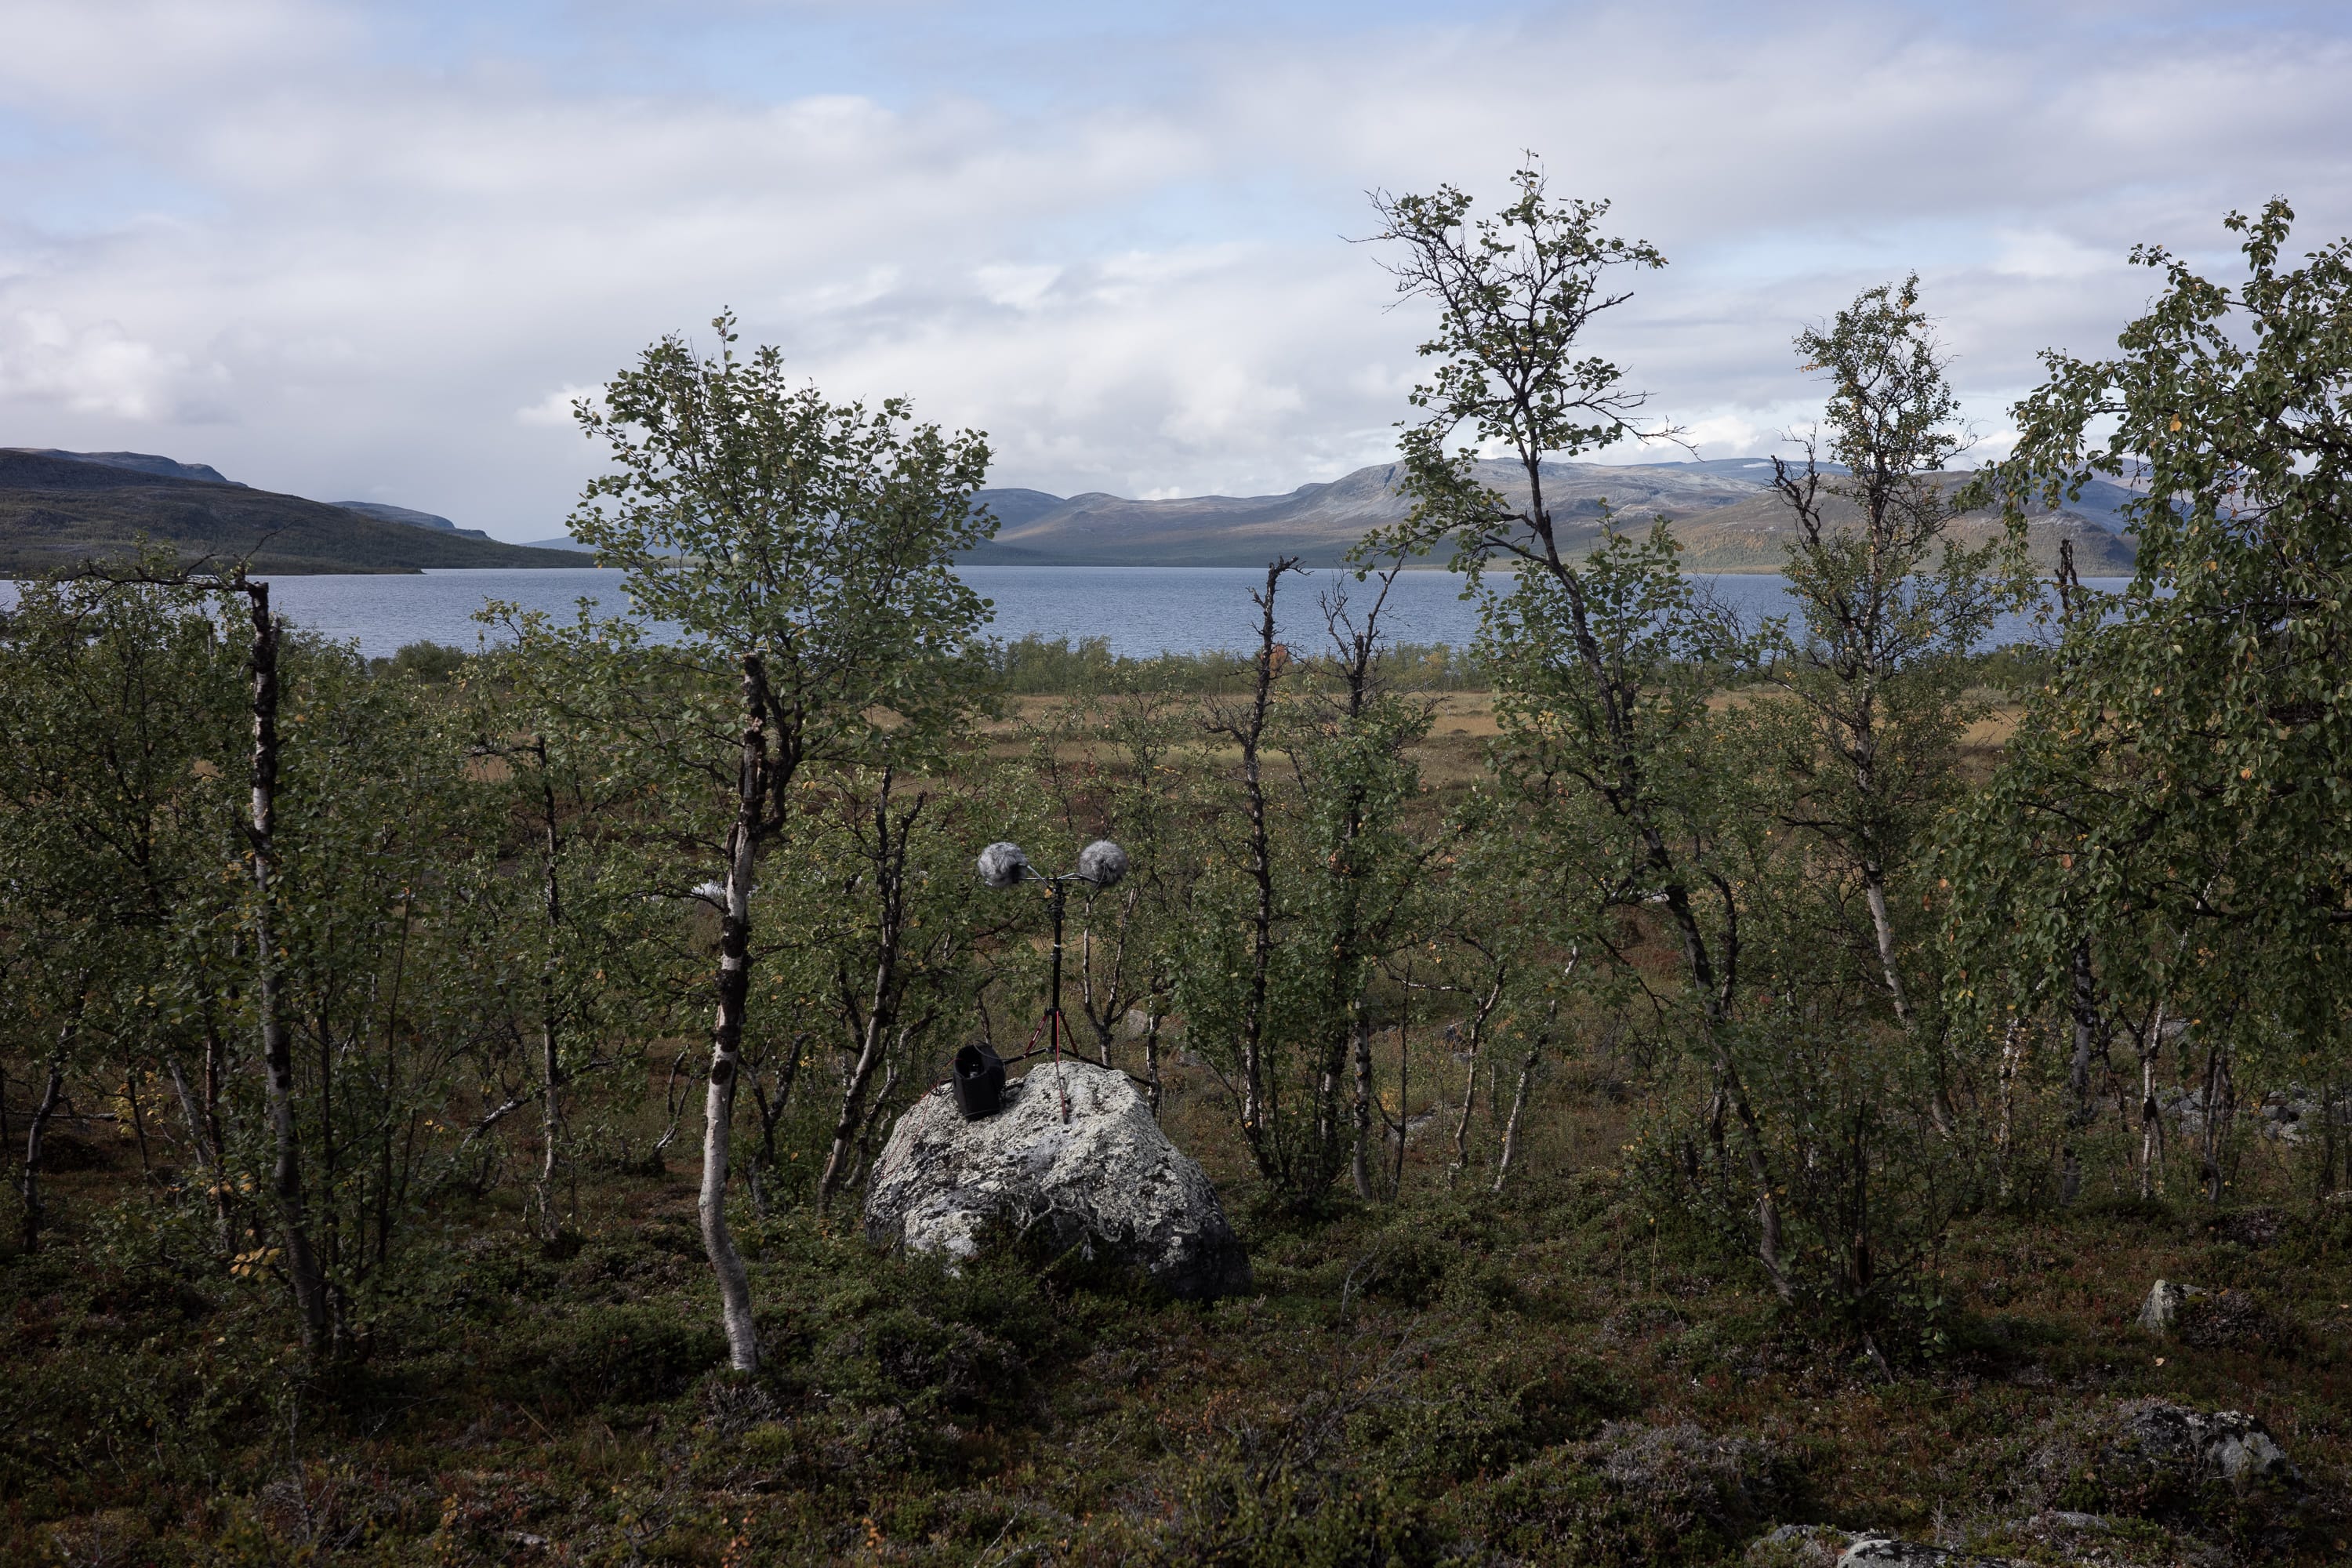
[{"x": 372, "y": 252}]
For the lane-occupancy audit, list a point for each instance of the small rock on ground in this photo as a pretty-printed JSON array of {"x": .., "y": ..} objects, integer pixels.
[
  {"x": 2165, "y": 1300},
  {"x": 2224, "y": 1445},
  {"x": 1885, "y": 1552}
]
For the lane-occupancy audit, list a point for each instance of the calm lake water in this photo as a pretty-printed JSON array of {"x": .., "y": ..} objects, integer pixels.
[{"x": 1140, "y": 610}]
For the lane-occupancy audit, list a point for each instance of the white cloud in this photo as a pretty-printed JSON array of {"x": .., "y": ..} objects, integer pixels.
[
  {"x": 2040, "y": 253},
  {"x": 1734, "y": 436},
  {"x": 96, "y": 368},
  {"x": 114, "y": 61},
  {"x": 1020, "y": 288},
  {"x": 557, "y": 410},
  {"x": 378, "y": 273}
]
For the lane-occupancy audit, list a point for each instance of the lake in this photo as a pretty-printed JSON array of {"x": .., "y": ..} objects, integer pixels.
[{"x": 1140, "y": 610}]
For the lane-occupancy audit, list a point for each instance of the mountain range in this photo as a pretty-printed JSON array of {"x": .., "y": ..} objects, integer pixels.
[
  {"x": 58, "y": 510},
  {"x": 1725, "y": 512}
]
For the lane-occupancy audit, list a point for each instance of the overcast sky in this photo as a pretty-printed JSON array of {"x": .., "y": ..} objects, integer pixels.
[{"x": 371, "y": 251}]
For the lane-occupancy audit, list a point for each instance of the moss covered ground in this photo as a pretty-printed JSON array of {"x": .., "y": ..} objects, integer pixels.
[{"x": 1555, "y": 1375}]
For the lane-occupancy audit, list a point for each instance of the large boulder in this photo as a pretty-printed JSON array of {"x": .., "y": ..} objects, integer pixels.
[{"x": 1108, "y": 1184}]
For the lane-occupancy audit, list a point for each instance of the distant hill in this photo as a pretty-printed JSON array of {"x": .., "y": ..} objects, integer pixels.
[
  {"x": 1016, "y": 508},
  {"x": 1318, "y": 522},
  {"x": 136, "y": 462},
  {"x": 1753, "y": 535},
  {"x": 383, "y": 513},
  {"x": 563, "y": 541},
  {"x": 1724, "y": 510},
  {"x": 60, "y": 509}
]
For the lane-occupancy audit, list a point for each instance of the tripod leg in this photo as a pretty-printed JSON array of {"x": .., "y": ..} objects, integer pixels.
[{"x": 1054, "y": 1019}]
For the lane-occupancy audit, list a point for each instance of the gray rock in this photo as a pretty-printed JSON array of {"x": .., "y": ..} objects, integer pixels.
[
  {"x": 2291, "y": 1115},
  {"x": 2211, "y": 1319},
  {"x": 2162, "y": 1309},
  {"x": 1888, "y": 1553},
  {"x": 1872, "y": 1547},
  {"x": 2151, "y": 1458},
  {"x": 2195, "y": 1445},
  {"x": 1108, "y": 1184},
  {"x": 2066, "y": 1519},
  {"x": 1799, "y": 1546}
]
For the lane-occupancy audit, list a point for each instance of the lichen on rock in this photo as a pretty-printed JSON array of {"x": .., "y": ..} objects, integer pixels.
[
  {"x": 2155, "y": 1459},
  {"x": 1106, "y": 1184}
]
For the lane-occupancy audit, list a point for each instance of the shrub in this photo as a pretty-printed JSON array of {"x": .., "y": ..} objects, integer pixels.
[
  {"x": 1642, "y": 1494},
  {"x": 617, "y": 1354},
  {"x": 430, "y": 663}
]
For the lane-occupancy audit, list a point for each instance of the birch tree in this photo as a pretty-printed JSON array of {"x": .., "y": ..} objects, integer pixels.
[
  {"x": 118, "y": 703},
  {"x": 582, "y": 838},
  {"x": 2167, "y": 834},
  {"x": 1315, "y": 883},
  {"x": 1889, "y": 605},
  {"x": 1580, "y": 646},
  {"x": 803, "y": 550},
  {"x": 1657, "y": 807}
]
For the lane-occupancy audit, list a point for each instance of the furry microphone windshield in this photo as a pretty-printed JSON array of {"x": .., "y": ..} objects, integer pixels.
[
  {"x": 1001, "y": 865},
  {"x": 1103, "y": 863}
]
